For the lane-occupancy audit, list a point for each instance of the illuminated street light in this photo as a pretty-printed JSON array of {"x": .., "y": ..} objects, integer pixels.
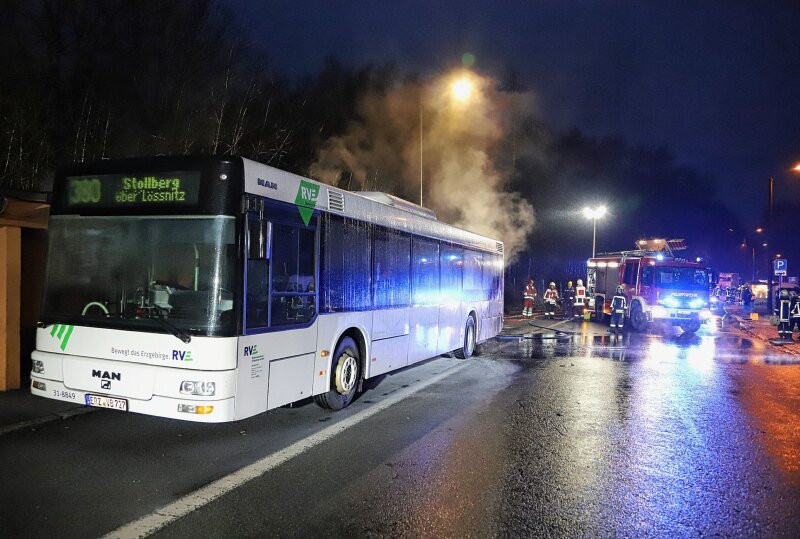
[
  {"x": 462, "y": 89},
  {"x": 594, "y": 214}
]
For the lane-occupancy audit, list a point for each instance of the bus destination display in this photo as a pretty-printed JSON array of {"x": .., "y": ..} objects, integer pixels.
[{"x": 114, "y": 190}]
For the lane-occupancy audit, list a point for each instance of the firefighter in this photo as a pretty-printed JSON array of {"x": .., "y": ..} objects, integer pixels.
[
  {"x": 794, "y": 312},
  {"x": 618, "y": 305},
  {"x": 580, "y": 300},
  {"x": 569, "y": 301},
  {"x": 550, "y": 299},
  {"x": 782, "y": 310},
  {"x": 528, "y": 295}
]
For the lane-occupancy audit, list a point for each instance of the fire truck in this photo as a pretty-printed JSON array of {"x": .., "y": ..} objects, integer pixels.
[{"x": 660, "y": 287}]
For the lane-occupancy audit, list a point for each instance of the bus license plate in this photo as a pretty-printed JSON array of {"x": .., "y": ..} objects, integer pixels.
[
  {"x": 684, "y": 313},
  {"x": 100, "y": 401}
]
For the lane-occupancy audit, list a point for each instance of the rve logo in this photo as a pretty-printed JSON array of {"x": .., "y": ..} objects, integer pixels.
[
  {"x": 180, "y": 355},
  {"x": 250, "y": 350}
]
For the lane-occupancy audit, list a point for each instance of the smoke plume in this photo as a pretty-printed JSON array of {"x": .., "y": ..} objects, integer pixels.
[{"x": 459, "y": 121}]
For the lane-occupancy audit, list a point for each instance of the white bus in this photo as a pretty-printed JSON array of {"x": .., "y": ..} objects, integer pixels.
[{"x": 215, "y": 288}]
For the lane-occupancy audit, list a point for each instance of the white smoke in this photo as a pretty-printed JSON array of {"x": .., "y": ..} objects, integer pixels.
[{"x": 460, "y": 135}]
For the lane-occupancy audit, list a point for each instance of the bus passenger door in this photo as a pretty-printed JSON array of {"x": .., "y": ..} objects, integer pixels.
[{"x": 277, "y": 350}]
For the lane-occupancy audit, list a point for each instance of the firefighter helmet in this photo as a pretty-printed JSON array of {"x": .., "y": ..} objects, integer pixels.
[
  {"x": 552, "y": 284},
  {"x": 784, "y": 293},
  {"x": 620, "y": 289},
  {"x": 580, "y": 282},
  {"x": 569, "y": 284}
]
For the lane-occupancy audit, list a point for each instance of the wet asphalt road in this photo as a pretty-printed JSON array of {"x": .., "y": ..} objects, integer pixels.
[{"x": 555, "y": 434}]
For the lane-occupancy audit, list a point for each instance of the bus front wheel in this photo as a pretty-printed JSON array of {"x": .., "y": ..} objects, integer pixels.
[
  {"x": 346, "y": 370},
  {"x": 468, "y": 347}
]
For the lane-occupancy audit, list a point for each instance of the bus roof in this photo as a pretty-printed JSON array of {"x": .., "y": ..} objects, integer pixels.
[{"x": 393, "y": 212}]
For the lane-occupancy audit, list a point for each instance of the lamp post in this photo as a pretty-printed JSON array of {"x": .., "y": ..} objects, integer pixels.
[
  {"x": 771, "y": 236},
  {"x": 594, "y": 214}
]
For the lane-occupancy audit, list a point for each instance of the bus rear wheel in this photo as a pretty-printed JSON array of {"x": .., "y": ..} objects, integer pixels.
[
  {"x": 346, "y": 370},
  {"x": 468, "y": 348}
]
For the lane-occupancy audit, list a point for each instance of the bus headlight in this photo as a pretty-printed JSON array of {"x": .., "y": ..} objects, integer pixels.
[
  {"x": 38, "y": 366},
  {"x": 697, "y": 303},
  {"x": 201, "y": 389},
  {"x": 660, "y": 312},
  {"x": 705, "y": 314}
]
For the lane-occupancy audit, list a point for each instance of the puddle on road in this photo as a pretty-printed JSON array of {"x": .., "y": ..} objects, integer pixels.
[{"x": 724, "y": 347}]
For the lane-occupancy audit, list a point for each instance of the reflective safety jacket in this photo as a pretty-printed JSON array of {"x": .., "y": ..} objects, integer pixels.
[
  {"x": 618, "y": 304},
  {"x": 529, "y": 292},
  {"x": 783, "y": 310},
  {"x": 794, "y": 310},
  {"x": 580, "y": 296},
  {"x": 569, "y": 295},
  {"x": 551, "y": 295}
]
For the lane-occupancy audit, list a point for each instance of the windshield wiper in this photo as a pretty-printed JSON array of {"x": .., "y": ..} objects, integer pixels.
[{"x": 176, "y": 331}]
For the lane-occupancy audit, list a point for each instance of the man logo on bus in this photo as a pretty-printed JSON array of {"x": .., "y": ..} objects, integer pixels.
[
  {"x": 180, "y": 355},
  {"x": 250, "y": 350},
  {"x": 268, "y": 184}
]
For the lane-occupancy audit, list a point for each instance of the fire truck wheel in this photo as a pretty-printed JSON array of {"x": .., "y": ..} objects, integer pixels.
[
  {"x": 692, "y": 326},
  {"x": 599, "y": 315},
  {"x": 638, "y": 319}
]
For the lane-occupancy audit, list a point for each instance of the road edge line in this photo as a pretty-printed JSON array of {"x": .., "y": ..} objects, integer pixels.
[{"x": 167, "y": 514}]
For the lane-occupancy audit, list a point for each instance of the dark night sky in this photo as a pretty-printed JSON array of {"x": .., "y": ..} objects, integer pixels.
[{"x": 718, "y": 82}]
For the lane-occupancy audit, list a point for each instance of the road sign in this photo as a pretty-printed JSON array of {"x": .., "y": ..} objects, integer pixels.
[{"x": 780, "y": 265}]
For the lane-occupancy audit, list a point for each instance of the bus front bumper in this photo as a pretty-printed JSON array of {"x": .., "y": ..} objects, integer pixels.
[{"x": 200, "y": 411}]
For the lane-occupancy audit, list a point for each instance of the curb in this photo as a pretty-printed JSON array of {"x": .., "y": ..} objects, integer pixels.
[{"x": 746, "y": 329}]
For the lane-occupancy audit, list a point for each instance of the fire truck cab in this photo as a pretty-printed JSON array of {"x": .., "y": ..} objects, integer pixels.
[{"x": 659, "y": 286}]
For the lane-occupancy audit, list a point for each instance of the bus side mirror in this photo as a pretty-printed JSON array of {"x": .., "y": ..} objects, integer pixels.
[{"x": 259, "y": 238}]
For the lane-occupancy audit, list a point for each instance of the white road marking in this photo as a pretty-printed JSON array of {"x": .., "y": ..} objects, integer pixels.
[{"x": 169, "y": 513}]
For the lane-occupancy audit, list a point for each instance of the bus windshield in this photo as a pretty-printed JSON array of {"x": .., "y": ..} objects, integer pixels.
[
  {"x": 173, "y": 274},
  {"x": 681, "y": 278}
]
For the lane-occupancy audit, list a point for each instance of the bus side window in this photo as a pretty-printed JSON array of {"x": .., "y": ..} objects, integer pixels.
[
  {"x": 293, "y": 289},
  {"x": 391, "y": 268},
  {"x": 425, "y": 271}
]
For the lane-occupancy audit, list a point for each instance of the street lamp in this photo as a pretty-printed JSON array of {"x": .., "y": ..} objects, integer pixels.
[
  {"x": 594, "y": 214},
  {"x": 771, "y": 234}
]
